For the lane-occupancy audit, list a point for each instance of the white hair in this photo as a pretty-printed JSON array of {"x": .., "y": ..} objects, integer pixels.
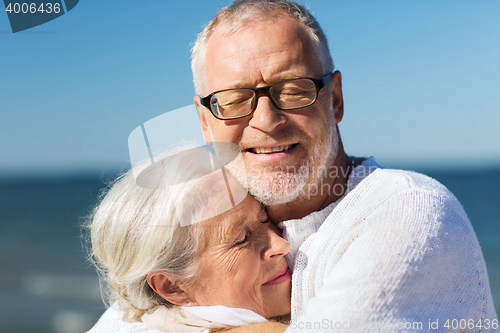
[
  {"x": 234, "y": 17},
  {"x": 136, "y": 230}
]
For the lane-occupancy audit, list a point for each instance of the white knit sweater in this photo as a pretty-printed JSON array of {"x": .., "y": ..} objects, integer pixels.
[
  {"x": 396, "y": 250},
  {"x": 396, "y": 253}
]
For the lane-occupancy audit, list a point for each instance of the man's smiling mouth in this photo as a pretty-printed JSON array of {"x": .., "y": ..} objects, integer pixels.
[{"x": 271, "y": 150}]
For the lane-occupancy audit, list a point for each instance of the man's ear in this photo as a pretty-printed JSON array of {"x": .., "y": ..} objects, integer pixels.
[
  {"x": 167, "y": 286},
  {"x": 337, "y": 98},
  {"x": 203, "y": 120}
]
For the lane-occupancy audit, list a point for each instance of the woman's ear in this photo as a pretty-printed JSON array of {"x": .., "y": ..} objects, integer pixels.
[{"x": 168, "y": 287}]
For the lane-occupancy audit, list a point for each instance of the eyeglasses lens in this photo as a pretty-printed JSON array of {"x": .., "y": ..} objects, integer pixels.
[
  {"x": 232, "y": 103},
  {"x": 287, "y": 95},
  {"x": 293, "y": 94}
]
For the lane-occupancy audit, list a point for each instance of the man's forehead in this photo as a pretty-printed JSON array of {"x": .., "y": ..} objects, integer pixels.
[{"x": 259, "y": 51}]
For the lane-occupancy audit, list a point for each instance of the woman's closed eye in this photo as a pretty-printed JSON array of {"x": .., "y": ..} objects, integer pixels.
[{"x": 242, "y": 241}]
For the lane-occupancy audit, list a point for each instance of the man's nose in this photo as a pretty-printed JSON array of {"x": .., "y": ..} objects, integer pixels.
[{"x": 266, "y": 117}]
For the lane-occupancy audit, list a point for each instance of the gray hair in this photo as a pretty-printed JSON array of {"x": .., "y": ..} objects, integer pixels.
[
  {"x": 135, "y": 231},
  {"x": 235, "y": 15}
]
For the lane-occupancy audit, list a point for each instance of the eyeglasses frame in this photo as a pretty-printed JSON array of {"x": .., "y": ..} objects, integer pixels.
[{"x": 319, "y": 83}]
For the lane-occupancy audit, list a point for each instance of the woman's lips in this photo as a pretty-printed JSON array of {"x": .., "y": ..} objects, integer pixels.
[{"x": 282, "y": 276}]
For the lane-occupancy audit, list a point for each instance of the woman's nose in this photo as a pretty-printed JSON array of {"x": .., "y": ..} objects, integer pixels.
[{"x": 277, "y": 246}]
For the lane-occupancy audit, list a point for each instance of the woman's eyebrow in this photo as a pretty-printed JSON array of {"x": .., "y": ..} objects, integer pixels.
[
  {"x": 260, "y": 216},
  {"x": 231, "y": 230}
]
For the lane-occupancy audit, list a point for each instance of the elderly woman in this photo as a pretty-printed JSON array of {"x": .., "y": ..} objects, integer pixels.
[{"x": 191, "y": 252}]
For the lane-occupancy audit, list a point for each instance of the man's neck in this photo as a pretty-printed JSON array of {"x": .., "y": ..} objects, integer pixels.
[{"x": 331, "y": 188}]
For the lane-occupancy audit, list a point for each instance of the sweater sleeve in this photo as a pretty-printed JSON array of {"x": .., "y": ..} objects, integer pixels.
[{"x": 409, "y": 263}]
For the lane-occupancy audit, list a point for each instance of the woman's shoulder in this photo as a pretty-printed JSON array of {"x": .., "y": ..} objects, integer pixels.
[{"x": 112, "y": 321}]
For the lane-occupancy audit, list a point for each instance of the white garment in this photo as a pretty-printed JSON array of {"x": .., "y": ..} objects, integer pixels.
[
  {"x": 177, "y": 319},
  {"x": 112, "y": 322},
  {"x": 198, "y": 318},
  {"x": 396, "y": 250}
]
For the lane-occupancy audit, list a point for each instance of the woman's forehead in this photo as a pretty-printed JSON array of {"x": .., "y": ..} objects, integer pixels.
[
  {"x": 224, "y": 227},
  {"x": 211, "y": 196}
]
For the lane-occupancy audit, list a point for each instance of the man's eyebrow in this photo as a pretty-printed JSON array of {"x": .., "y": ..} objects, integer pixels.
[{"x": 276, "y": 79}]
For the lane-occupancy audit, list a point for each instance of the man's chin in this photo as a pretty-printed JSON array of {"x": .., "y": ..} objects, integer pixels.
[
  {"x": 277, "y": 189},
  {"x": 272, "y": 185}
]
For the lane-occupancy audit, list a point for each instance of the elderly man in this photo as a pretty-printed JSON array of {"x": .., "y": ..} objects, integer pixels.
[{"x": 372, "y": 249}]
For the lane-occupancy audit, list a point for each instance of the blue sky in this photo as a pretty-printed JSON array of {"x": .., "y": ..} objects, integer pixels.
[{"x": 421, "y": 80}]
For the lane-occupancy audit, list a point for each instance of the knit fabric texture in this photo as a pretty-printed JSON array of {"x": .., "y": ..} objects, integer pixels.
[{"x": 396, "y": 250}]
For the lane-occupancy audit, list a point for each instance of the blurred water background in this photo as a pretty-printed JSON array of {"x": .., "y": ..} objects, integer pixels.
[{"x": 47, "y": 285}]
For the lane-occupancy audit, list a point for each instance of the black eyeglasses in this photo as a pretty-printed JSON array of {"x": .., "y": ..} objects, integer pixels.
[{"x": 288, "y": 95}]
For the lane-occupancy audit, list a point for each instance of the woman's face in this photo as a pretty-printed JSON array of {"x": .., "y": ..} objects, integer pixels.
[{"x": 242, "y": 262}]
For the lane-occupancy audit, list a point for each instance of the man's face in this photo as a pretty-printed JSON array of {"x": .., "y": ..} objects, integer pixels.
[{"x": 283, "y": 152}]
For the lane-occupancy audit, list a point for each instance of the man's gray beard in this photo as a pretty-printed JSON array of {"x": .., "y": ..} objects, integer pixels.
[
  {"x": 280, "y": 186},
  {"x": 272, "y": 187}
]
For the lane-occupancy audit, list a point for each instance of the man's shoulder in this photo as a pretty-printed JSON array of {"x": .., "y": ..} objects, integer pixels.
[
  {"x": 386, "y": 181},
  {"x": 394, "y": 197},
  {"x": 418, "y": 187}
]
